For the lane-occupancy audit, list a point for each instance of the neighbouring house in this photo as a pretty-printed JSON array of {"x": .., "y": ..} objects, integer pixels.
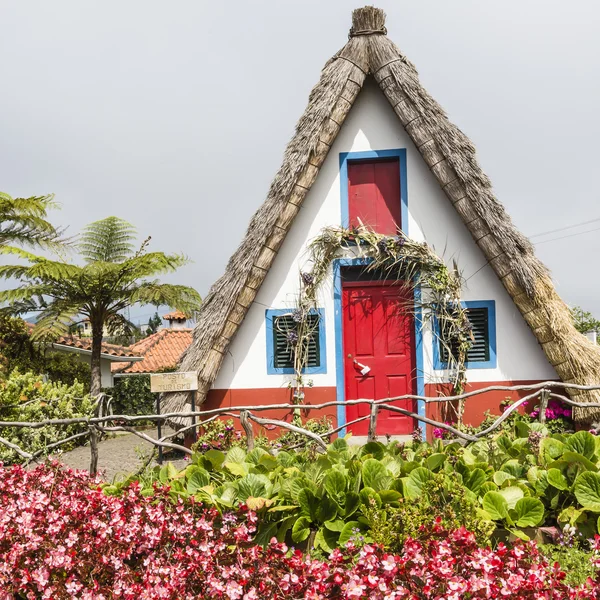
[
  {"x": 160, "y": 351},
  {"x": 112, "y": 355},
  {"x": 374, "y": 147}
]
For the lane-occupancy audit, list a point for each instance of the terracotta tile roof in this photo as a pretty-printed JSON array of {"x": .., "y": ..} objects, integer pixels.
[
  {"x": 160, "y": 350},
  {"x": 175, "y": 316},
  {"x": 86, "y": 344}
]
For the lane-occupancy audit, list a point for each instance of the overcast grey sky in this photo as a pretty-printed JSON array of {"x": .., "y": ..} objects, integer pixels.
[{"x": 175, "y": 115}]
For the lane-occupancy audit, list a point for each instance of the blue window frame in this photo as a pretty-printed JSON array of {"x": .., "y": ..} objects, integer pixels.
[
  {"x": 319, "y": 356},
  {"x": 486, "y": 314},
  {"x": 369, "y": 155}
]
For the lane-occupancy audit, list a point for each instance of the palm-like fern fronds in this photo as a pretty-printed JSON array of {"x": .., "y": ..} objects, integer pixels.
[
  {"x": 108, "y": 240},
  {"x": 23, "y": 221}
]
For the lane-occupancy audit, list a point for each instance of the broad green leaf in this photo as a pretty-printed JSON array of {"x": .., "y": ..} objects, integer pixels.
[
  {"x": 514, "y": 468},
  {"x": 582, "y": 442},
  {"x": 285, "y": 459},
  {"x": 375, "y": 475},
  {"x": 167, "y": 472},
  {"x": 335, "y": 484},
  {"x": 538, "y": 478},
  {"x": 235, "y": 455},
  {"x": 237, "y": 469},
  {"x": 252, "y": 485},
  {"x": 587, "y": 490},
  {"x": 520, "y": 534},
  {"x": 575, "y": 457},
  {"x": 326, "y": 540},
  {"x": 570, "y": 515},
  {"x": 375, "y": 449},
  {"x": 522, "y": 429},
  {"x": 301, "y": 529},
  {"x": 495, "y": 505},
  {"x": 504, "y": 442},
  {"x": 352, "y": 503},
  {"x": 336, "y": 525},
  {"x": 216, "y": 457},
  {"x": 255, "y": 455},
  {"x": 389, "y": 496},
  {"x": 435, "y": 461},
  {"x": 551, "y": 449},
  {"x": 268, "y": 461},
  {"x": 476, "y": 479},
  {"x": 501, "y": 477},
  {"x": 420, "y": 476},
  {"x": 530, "y": 512},
  {"x": 308, "y": 504},
  {"x": 488, "y": 486},
  {"x": 369, "y": 497},
  {"x": 339, "y": 444},
  {"x": 409, "y": 466},
  {"x": 326, "y": 509},
  {"x": 283, "y": 508},
  {"x": 410, "y": 490},
  {"x": 557, "y": 479},
  {"x": 350, "y": 530},
  {"x": 512, "y": 495},
  {"x": 198, "y": 479}
]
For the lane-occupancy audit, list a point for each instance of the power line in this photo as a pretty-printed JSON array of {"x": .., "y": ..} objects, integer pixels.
[
  {"x": 565, "y": 228},
  {"x": 566, "y": 236}
]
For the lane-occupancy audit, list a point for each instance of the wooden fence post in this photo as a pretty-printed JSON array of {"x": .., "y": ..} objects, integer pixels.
[
  {"x": 373, "y": 423},
  {"x": 544, "y": 395},
  {"x": 245, "y": 421},
  {"x": 93, "y": 449}
]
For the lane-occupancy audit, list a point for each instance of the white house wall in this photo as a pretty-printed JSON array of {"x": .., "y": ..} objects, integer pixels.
[{"x": 372, "y": 125}]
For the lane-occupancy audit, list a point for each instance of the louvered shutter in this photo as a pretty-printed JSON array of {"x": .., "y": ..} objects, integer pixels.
[
  {"x": 480, "y": 348},
  {"x": 284, "y": 351}
]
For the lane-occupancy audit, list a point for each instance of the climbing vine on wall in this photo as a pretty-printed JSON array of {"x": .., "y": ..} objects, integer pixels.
[{"x": 413, "y": 264}]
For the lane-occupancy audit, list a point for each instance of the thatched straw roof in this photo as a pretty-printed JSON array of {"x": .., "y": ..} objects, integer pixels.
[{"x": 451, "y": 158}]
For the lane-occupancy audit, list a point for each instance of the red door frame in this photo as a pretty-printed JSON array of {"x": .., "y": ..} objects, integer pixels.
[{"x": 360, "y": 429}]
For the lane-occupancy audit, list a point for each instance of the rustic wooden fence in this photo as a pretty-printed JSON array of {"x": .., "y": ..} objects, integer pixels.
[{"x": 102, "y": 420}]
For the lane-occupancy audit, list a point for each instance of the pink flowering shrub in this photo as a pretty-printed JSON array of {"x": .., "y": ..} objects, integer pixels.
[{"x": 61, "y": 537}]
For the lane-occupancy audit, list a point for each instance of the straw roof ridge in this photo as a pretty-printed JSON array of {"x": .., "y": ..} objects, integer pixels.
[{"x": 452, "y": 159}]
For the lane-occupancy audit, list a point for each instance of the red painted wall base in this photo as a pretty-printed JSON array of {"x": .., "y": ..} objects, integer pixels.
[
  {"x": 268, "y": 396},
  {"x": 475, "y": 408}
]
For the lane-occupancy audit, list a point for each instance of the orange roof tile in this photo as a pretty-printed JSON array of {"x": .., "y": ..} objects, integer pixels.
[
  {"x": 86, "y": 344},
  {"x": 176, "y": 315},
  {"x": 161, "y": 350}
]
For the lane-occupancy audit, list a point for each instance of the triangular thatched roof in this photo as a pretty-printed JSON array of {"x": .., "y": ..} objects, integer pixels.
[{"x": 451, "y": 158}]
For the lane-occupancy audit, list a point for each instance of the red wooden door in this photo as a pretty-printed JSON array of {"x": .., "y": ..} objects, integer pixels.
[
  {"x": 374, "y": 195},
  {"x": 378, "y": 333}
]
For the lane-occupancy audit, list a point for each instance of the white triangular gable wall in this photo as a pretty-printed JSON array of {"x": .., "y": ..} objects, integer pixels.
[{"x": 372, "y": 125}]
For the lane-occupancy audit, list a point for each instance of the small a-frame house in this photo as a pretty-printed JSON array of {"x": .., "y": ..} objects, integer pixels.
[{"x": 373, "y": 144}]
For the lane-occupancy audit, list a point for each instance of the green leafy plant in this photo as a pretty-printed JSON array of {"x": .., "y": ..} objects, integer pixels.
[
  {"x": 26, "y": 397},
  {"x": 441, "y": 497},
  {"x": 17, "y": 351}
]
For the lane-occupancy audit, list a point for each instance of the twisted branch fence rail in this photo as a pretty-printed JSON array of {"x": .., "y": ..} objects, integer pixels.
[{"x": 102, "y": 421}]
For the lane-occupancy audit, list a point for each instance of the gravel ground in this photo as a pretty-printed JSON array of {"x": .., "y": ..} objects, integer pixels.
[{"x": 118, "y": 456}]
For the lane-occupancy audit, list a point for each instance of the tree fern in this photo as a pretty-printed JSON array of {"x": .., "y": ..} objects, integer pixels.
[
  {"x": 23, "y": 222},
  {"x": 111, "y": 279},
  {"x": 108, "y": 240}
]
